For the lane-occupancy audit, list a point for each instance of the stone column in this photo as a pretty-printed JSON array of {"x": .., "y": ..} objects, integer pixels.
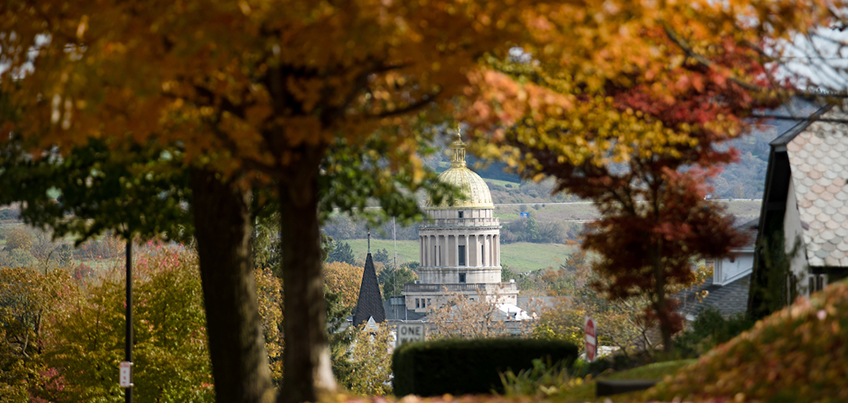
[
  {"x": 498, "y": 250},
  {"x": 443, "y": 241},
  {"x": 455, "y": 250},
  {"x": 490, "y": 246},
  {"x": 467, "y": 250},
  {"x": 425, "y": 245}
]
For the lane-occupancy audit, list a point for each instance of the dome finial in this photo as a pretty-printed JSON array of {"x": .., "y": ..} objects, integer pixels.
[{"x": 458, "y": 147}]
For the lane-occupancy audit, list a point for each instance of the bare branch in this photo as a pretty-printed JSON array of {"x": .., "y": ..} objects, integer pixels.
[{"x": 680, "y": 42}]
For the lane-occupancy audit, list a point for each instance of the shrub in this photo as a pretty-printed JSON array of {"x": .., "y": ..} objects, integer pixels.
[
  {"x": 469, "y": 366},
  {"x": 709, "y": 330},
  {"x": 543, "y": 380},
  {"x": 17, "y": 258},
  {"x": 19, "y": 238},
  {"x": 797, "y": 354},
  {"x": 83, "y": 271}
]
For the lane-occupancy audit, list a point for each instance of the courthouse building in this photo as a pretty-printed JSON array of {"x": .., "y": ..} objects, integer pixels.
[{"x": 459, "y": 248}]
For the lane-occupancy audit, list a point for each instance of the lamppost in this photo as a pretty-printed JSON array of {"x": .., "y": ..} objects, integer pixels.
[{"x": 126, "y": 365}]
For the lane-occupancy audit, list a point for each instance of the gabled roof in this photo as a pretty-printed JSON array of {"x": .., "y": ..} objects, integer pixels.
[
  {"x": 818, "y": 159},
  {"x": 779, "y": 174},
  {"x": 729, "y": 299},
  {"x": 370, "y": 303},
  {"x": 750, "y": 228}
]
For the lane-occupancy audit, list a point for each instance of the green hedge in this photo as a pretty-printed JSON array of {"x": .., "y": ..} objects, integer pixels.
[{"x": 469, "y": 366}]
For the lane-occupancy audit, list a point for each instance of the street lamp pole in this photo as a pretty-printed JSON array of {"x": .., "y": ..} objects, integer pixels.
[{"x": 129, "y": 338}]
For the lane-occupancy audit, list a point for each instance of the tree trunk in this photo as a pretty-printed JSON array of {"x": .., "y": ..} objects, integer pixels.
[
  {"x": 233, "y": 324},
  {"x": 660, "y": 302},
  {"x": 307, "y": 368}
]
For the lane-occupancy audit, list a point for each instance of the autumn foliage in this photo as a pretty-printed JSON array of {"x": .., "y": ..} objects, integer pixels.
[
  {"x": 344, "y": 279},
  {"x": 262, "y": 93},
  {"x": 794, "y": 355},
  {"x": 641, "y": 137},
  {"x": 63, "y": 337}
]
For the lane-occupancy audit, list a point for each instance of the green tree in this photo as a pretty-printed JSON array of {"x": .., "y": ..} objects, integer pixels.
[
  {"x": 382, "y": 256},
  {"x": 411, "y": 265},
  {"x": 392, "y": 280},
  {"x": 342, "y": 252},
  {"x": 507, "y": 274}
]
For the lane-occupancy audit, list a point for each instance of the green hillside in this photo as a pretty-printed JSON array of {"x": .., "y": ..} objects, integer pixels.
[{"x": 520, "y": 256}]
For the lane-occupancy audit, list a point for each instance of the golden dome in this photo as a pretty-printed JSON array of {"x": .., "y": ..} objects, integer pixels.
[{"x": 475, "y": 193}]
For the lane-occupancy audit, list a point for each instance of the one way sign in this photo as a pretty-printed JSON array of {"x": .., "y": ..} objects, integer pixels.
[{"x": 409, "y": 332}]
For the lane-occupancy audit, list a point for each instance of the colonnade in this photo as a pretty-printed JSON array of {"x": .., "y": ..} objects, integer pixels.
[{"x": 482, "y": 250}]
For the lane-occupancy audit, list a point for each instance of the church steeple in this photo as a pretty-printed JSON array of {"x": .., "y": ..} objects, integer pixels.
[{"x": 370, "y": 302}]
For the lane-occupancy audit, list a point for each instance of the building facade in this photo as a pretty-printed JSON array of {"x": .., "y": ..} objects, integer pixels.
[{"x": 459, "y": 248}]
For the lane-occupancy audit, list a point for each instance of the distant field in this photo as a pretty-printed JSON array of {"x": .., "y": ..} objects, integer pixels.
[
  {"x": 743, "y": 209},
  {"x": 525, "y": 256},
  {"x": 518, "y": 256},
  {"x": 548, "y": 211},
  {"x": 503, "y": 183}
]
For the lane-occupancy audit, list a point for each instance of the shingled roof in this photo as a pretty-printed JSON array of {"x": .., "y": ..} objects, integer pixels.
[
  {"x": 729, "y": 299},
  {"x": 370, "y": 303},
  {"x": 818, "y": 157}
]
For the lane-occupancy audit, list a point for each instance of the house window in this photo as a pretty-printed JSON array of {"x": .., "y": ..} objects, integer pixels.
[
  {"x": 428, "y": 301},
  {"x": 461, "y": 255},
  {"x": 417, "y": 303},
  {"x": 816, "y": 282},
  {"x": 482, "y": 255},
  {"x": 423, "y": 305},
  {"x": 792, "y": 287},
  {"x": 461, "y": 277},
  {"x": 461, "y": 214}
]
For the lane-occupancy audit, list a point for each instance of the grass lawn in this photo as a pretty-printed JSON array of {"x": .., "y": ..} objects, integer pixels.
[
  {"x": 520, "y": 257},
  {"x": 586, "y": 391}
]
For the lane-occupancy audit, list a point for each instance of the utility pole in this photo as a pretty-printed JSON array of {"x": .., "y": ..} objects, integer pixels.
[
  {"x": 394, "y": 272},
  {"x": 394, "y": 237}
]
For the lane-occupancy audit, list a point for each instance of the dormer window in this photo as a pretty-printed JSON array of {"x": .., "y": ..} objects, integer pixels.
[{"x": 461, "y": 214}]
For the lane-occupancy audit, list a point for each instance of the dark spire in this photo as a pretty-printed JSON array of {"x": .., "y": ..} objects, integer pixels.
[{"x": 370, "y": 303}]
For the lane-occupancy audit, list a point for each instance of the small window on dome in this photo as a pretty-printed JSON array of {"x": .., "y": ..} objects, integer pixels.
[{"x": 461, "y": 214}]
